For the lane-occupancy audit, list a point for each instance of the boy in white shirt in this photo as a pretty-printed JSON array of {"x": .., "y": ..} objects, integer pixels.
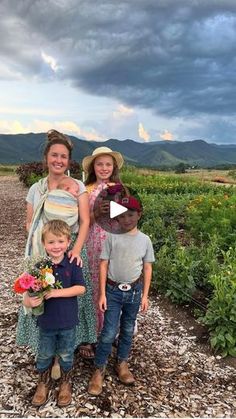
[{"x": 125, "y": 277}]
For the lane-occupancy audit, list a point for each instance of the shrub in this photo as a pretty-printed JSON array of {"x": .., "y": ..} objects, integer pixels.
[{"x": 29, "y": 172}]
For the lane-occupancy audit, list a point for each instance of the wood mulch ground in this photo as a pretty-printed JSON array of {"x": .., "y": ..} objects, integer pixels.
[{"x": 177, "y": 375}]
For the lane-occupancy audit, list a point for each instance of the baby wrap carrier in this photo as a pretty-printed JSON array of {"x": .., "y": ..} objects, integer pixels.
[{"x": 56, "y": 204}]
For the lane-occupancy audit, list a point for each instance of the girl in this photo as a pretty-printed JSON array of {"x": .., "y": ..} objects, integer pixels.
[
  {"x": 57, "y": 156},
  {"x": 101, "y": 168}
]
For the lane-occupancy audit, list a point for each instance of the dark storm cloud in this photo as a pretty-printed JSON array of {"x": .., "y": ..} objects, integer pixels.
[{"x": 177, "y": 58}]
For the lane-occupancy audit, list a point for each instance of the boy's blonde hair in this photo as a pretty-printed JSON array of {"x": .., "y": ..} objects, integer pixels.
[{"x": 56, "y": 227}]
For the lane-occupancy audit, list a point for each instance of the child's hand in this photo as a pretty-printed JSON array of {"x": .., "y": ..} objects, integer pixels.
[
  {"x": 102, "y": 303},
  {"x": 31, "y": 301},
  {"x": 52, "y": 294},
  {"x": 104, "y": 207},
  {"x": 144, "y": 304}
]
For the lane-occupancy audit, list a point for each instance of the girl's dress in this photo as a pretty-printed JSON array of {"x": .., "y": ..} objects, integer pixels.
[
  {"x": 94, "y": 244},
  {"x": 27, "y": 330}
]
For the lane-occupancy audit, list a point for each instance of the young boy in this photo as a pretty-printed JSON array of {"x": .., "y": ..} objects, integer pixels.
[
  {"x": 57, "y": 324},
  {"x": 125, "y": 276}
]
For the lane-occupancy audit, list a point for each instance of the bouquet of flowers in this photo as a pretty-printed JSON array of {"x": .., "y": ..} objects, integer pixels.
[{"x": 36, "y": 280}]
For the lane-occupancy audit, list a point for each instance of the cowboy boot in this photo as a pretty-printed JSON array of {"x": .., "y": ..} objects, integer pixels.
[
  {"x": 124, "y": 374},
  {"x": 96, "y": 382},
  {"x": 42, "y": 390},
  {"x": 64, "y": 395}
]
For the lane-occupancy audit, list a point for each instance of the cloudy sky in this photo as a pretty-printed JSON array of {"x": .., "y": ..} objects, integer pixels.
[{"x": 148, "y": 70}]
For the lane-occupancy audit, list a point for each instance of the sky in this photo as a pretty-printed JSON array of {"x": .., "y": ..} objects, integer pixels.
[{"x": 147, "y": 70}]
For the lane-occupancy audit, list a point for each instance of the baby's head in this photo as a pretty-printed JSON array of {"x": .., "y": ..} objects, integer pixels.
[{"x": 69, "y": 185}]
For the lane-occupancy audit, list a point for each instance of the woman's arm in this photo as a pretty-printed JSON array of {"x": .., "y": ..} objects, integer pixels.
[
  {"x": 29, "y": 215},
  {"x": 84, "y": 220}
]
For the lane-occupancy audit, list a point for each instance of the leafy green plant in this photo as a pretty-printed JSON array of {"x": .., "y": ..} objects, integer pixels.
[
  {"x": 221, "y": 312},
  {"x": 174, "y": 273}
]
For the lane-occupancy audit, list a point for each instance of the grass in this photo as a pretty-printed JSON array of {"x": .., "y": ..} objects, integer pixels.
[
  {"x": 6, "y": 170},
  {"x": 212, "y": 175},
  {"x": 204, "y": 175}
]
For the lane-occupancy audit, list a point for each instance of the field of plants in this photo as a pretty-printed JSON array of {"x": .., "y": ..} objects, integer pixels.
[{"x": 192, "y": 224}]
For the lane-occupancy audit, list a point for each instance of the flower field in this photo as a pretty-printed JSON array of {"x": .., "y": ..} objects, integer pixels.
[{"x": 192, "y": 225}]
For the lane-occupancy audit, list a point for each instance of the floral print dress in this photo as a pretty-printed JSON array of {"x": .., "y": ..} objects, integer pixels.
[{"x": 96, "y": 238}]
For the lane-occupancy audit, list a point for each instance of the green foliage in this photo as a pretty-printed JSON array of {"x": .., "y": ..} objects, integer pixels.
[
  {"x": 213, "y": 215},
  {"x": 221, "y": 312},
  {"x": 206, "y": 263},
  {"x": 174, "y": 273},
  {"x": 30, "y": 173}
]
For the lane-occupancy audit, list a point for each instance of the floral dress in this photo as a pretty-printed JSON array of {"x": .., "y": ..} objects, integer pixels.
[
  {"x": 27, "y": 333},
  {"x": 96, "y": 238}
]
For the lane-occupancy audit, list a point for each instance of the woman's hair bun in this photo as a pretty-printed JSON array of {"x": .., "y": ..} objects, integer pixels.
[{"x": 54, "y": 135}]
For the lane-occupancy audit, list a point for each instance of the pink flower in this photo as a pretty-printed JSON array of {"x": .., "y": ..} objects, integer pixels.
[
  {"x": 37, "y": 285},
  {"x": 26, "y": 281}
]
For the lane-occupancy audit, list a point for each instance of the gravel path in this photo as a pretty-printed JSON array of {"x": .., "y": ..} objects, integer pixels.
[{"x": 176, "y": 377}]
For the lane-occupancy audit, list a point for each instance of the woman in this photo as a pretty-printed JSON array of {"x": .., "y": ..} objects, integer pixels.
[{"x": 57, "y": 156}]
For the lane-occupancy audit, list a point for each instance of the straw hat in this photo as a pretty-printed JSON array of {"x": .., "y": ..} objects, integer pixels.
[{"x": 100, "y": 151}]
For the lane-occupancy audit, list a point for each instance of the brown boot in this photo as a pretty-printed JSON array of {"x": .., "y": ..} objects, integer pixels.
[
  {"x": 96, "y": 382},
  {"x": 42, "y": 390},
  {"x": 124, "y": 374},
  {"x": 64, "y": 395}
]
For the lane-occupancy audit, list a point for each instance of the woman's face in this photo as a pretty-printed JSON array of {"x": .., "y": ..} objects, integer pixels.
[
  {"x": 57, "y": 159},
  {"x": 103, "y": 167}
]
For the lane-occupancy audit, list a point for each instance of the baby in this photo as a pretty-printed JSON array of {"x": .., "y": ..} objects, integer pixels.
[{"x": 70, "y": 185}]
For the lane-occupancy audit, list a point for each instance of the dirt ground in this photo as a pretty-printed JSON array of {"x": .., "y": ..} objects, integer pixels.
[{"x": 177, "y": 374}]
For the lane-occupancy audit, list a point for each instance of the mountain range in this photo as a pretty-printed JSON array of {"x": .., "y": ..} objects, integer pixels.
[{"x": 22, "y": 148}]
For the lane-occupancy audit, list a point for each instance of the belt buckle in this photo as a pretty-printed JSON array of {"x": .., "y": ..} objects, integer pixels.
[{"x": 124, "y": 287}]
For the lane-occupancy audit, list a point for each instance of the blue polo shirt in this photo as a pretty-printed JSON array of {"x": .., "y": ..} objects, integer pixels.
[{"x": 62, "y": 312}]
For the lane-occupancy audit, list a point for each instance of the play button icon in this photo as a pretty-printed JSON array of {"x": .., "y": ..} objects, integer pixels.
[
  {"x": 109, "y": 204},
  {"x": 116, "y": 209}
]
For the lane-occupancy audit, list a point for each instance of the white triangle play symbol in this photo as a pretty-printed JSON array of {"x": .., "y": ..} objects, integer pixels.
[{"x": 116, "y": 209}]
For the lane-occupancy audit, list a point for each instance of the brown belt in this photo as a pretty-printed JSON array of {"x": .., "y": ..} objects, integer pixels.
[{"x": 132, "y": 284}]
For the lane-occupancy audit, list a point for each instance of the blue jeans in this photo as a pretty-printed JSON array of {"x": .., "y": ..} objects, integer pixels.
[
  {"x": 60, "y": 342},
  {"x": 122, "y": 310}
]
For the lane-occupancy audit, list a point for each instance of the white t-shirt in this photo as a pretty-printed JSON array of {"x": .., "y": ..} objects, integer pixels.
[{"x": 126, "y": 254}]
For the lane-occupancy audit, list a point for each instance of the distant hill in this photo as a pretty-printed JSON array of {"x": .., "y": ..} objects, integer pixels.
[{"x": 21, "y": 148}]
